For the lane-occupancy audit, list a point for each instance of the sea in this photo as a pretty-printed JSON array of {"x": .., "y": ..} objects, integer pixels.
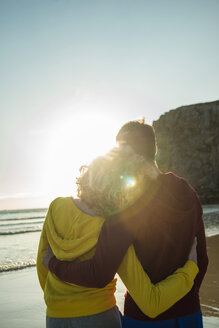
[{"x": 20, "y": 233}]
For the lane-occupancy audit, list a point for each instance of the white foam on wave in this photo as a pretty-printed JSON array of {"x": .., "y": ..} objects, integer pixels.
[
  {"x": 211, "y": 307},
  {"x": 210, "y": 208},
  {"x": 21, "y": 219},
  {"x": 211, "y": 220},
  {"x": 17, "y": 266}
]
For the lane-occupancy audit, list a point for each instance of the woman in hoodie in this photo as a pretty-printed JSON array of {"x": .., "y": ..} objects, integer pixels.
[{"x": 72, "y": 228}]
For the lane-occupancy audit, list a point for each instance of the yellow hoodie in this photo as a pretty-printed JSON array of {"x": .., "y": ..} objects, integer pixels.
[{"x": 73, "y": 235}]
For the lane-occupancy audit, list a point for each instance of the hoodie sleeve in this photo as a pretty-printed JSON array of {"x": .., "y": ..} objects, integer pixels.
[{"x": 153, "y": 299}]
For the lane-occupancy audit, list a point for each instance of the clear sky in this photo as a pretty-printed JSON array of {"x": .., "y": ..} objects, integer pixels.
[{"x": 73, "y": 71}]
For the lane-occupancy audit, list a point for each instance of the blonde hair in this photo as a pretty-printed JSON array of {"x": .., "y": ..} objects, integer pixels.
[{"x": 113, "y": 182}]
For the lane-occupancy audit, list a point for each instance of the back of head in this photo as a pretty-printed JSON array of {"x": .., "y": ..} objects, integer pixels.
[
  {"x": 140, "y": 137},
  {"x": 113, "y": 182}
]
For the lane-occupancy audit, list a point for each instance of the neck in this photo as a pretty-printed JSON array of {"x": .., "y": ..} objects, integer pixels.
[
  {"x": 83, "y": 207},
  {"x": 153, "y": 170}
]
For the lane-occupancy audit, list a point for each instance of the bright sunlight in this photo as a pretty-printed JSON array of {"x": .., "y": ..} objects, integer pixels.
[{"x": 72, "y": 142}]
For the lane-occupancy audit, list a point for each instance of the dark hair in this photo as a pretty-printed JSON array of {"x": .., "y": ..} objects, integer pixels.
[{"x": 139, "y": 136}]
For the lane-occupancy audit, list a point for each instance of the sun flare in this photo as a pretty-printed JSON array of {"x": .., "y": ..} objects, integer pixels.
[{"x": 72, "y": 142}]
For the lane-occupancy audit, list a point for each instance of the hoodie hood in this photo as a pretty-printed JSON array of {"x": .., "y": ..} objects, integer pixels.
[
  {"x": 175, "y": 200},
  {"x": 70, "y": 232},
  {"x": 178, "y": 193}
]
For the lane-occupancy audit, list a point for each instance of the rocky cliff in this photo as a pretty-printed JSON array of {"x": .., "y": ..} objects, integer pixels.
[{"x": 188, "y": 144}]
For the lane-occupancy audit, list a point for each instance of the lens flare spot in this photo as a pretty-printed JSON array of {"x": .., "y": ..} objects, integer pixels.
[{"x": 130, "y": 182}]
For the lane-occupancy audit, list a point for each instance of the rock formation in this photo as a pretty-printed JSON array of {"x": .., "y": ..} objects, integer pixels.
[{"x": 188, "y": 144}]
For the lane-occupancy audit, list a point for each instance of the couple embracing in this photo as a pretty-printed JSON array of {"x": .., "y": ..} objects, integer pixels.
[{"x": 131, "y": 219}]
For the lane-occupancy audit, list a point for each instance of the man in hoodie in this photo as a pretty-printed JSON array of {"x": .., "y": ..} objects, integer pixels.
[{"x": 163, "y": 222}]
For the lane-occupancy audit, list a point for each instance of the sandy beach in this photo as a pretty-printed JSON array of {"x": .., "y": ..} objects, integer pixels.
[
  {"x": 209, "y": 293},
  {"x": 22, "y": 305}
]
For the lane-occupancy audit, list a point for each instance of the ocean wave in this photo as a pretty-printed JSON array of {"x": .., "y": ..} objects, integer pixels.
[
  {"x": 15, "y": 232},
  {"x": 211, "y": 220},
  {"x": 17, "y": 266},
  {"x": 27, "y": 210},
  {"x": 20, "y": 223},
  {"x": 210, "y": 208},
  {"x": 211, "y": 307},
  {"x": 20, "y": 219}
]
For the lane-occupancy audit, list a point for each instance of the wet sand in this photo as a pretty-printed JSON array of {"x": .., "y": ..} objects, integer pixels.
[
  {"x": 209, "y": 292},
  {"x": 21, "y": 300}
]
